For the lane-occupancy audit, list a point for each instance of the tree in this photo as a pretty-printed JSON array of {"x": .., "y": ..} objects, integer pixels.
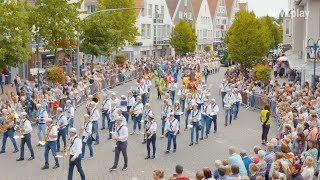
[
  {"x": 121, "y": 22},
  {"x": 183, "y": 37},
  {"x": 274, "y": 29},
  {"x": 248, "y": 39},
  {"x": 14, "y": 34},
  {"x": 56, "y": 21},
  {"x": 207, "y": 48}
]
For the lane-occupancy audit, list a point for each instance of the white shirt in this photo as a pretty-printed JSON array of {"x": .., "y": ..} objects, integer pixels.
[
  {"x": 206, "y": 109},
  {"x": 165, "y": 111},
  {"x": 177, "y": 111},
  {"x": 75, "y": 148},
  {"x": 121, "y": 132},
  {"x": 223, "y": 87},
  {"x": 199, "y": 98},
  {"x": 238, "y": 97},
  {"x": 151, "y": 127},
  {"x": 116, "y": 101},
  {"x": 43, "y": 115},
  {"x": 143, "y": 88},
  {"x": 229, "y": 99},
  {"x": 53, "y": 132},
  {"x": 106, "y": 105},
  {"x": 182, "y": 91},
  {"x": 172, "y": 125},
  {"x": 69, "y": 111},
  {"x": 214, "y": 109},
  {"x": 26, "y": 124},
  {"x": 113, "y": 114},
  {"x": 138, "y": 107},
  {"x": 94, "y": 114},
  {"x": 195, "y": 115},
  {"x": 131, "y": 100},
  {"x": 146, "y": 113},
  {"x": 62, "y": 121},
  {"x": 124, "y": 105},
  {"x": 172, "y": 86},
  {"x": 87, "y": 129}
]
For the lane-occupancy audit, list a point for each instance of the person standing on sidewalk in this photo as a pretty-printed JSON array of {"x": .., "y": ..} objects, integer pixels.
[
  {"x": 25, "y": 129},
  {"x": 94, "y": 117},
  {"x": 121, "y": 136},
  {"x": 75, "y": 154}
]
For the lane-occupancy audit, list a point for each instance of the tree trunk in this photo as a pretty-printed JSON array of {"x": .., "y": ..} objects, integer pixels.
[
  {"x": 92, "y": 64},
  {"x": 56, "y": 58}
]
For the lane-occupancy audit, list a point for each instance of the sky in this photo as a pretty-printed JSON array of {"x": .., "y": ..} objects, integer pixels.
[{"x": 267, "y": 7}]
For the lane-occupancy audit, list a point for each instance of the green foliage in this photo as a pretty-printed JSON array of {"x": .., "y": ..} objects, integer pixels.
[
  {"x": 248, "y": 39},
  {"x": 207, "y": 48},
  {"x": 57, "y": 22},
  {"x": 122, "y": 23},
  {"x": 183, "y": 37},
  {"x": 14, "y": 34},
  {"x": 120, "y": 59},
  {"x": 274, "y": 29},
  {"x": 262, "y": 72}
]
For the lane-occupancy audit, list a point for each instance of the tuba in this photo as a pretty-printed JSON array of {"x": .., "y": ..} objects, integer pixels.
[
  {"x": 96, "y": 99},
  {"x": 8, "y": 123}
]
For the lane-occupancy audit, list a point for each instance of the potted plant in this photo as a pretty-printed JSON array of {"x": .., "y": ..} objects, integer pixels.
[{"x": 56, "y": 75}]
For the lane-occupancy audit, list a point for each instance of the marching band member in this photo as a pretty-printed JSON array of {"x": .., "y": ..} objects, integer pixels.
[
  {"x": 172, "y": 128},
  {"x": 146, "y": 112},
  {"x": 201, "y": 84},
  {"x": 25, "y": 129},
  {"x": 205, "y": 117},
  {"x": 195, "y": 122},
  {"x": 183, "y": 94},
  {"x": 88, "y": 106},
  {"x": 238, "y": 101},
  {"x": 114, "y": 99},
  {"x": 143, "y": 88},
  {"x": 42, "y": 115},
  {"x": 112, "y": 116},
  {"x": 9, "y": 133},
  {"x": 172, "y": 89},
  {"x": 131, "y": 101},
  {"x": 199, "y": 98},
  {"x": 51, "y": 144},
  {"x": 86, "y": 136},
  {"x": 223, "y": 89},
  {"x": 69, "y": 113},
  {"x": 61, "y": 124},
  {"x": 166, "y": 96},
  {"x": 75, "y": 154},
  {"x": 177, "y": 112},
  {"x": 94, "y": 117},
  {"x": 137, "y": 108},
  {"x": 121, "y": 136},
  {"x": 229, "y": 99},
  {"x": 120, "y": 115},
  {"x": 105, "y": 111},
  {"x": 150, "y": 131},
  {"x": 189, "y": 102},
  {"x": 214, "y": 114},
  {"x": 165, "y": 111},
  {"x": 124, "y": 107}
]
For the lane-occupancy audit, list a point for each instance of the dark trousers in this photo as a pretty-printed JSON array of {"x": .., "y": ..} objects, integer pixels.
[
  {"x": 62, "y": 133},
  {"x": 1, "y": 85},
  {"x": 223, "y": 94},
  {"x": 9, "y": 134},
  {"x": 121, "y": 147},
  {"x": 265, "y": 131},
  {"x": 144, "y": 98},
  {"x": 172, "y": 137},
  {"x": 26, "y": 140},
  {"x": 152, "y": 141},
  {"x": 77, "y": 163},
  {"x": 214, "y": 120},
  {"x": 110, "y": 127},
  {"x": 50, "y": 145}
]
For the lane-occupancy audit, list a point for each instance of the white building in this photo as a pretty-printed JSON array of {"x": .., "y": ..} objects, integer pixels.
[
  {"x": 154, "y": 25},
  {"x": 203, "y": 25}
]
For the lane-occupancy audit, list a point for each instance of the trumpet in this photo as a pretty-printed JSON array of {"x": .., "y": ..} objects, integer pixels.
[
  {"x": 43, "y": 142},
  {"x": 132, "y": 112}
]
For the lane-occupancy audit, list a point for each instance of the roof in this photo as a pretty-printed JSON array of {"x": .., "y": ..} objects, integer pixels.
[
  {"x": 213, "y": 7},
  {"x": 229, "y": 5},
  {"x": 243, "y": 6},
  {"x": 138, "y": 4},
  {"x": 196, "y": 4},
  {"x": 172, "y": 6}
]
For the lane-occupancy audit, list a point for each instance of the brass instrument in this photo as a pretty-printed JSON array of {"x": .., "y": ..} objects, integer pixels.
[
  {"x": 132, "y": 112},
  {"x": 183, "y": 97},
  {"x": 96, "y": 99},
  {"x": 43, "y": 142},
  {"x": 8, "y": 123}
]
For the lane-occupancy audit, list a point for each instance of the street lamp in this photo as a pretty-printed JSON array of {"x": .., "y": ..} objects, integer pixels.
[
  {"x": 88, "y": 15},
  {"x": 37, "y": 39},
  {"x": 312, "y": 44}
]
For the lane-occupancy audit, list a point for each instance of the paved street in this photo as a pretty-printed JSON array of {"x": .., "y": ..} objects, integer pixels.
[{"x": 244, "y": 134}]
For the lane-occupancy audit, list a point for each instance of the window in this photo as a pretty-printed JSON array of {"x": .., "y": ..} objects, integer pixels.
[
  {"x": 205, "y": 33},
  {"x": 164, "y": 31},
  {"x": 185, "y": 15},
  {"x": 224, "y": 21},
  {"x": 168, "y": 30},
  {"x": 185, "y": 2},
  {"x": 156, "y": 11},
  {"x": 150, "y": 10},
  {"x": 287, "y": 27},
  {"x": 200, "y": 33},
  {"x": 162, "y": 12},
  {"x": 91, "y": 8},
  {"x": 154, "y": 30},
  {"x": 180, "y": 14},
  {"x": 190, "y": 15},
  {"x": 148, "y": 31},
  {"x": 217, "y": 21},
  {"x": 143, "y": 31}
]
